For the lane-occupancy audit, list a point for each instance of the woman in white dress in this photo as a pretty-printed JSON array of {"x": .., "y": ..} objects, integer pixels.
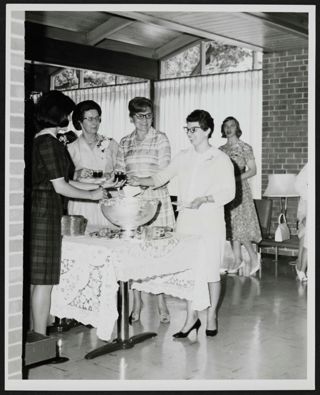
[
  {"x": 205, "y": 184},
  {"x": 90, "y": 153}
]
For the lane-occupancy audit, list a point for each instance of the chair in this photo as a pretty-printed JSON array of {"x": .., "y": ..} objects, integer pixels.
[{"x": 264, "y": 212}]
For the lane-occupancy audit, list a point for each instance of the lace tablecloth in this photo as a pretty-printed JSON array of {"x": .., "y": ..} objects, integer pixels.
[{"x": 91, "y": 267}]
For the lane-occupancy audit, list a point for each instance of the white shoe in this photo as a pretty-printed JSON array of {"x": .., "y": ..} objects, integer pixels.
[
  {"x": 256, "y": 267},
  {"x": 301, "y": 275},
  {"x": 235, "y": 271}
]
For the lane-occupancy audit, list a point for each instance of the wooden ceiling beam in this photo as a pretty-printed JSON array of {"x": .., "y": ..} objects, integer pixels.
[
  {"x": 107, "y": 28},
  {"x": 174, "y": 45},
  {"x": 120, "y": 46},
  {"x": 60, "y": 52},
  {"x": 56, "y": 33},
  {"x": 178, "y": 27}
]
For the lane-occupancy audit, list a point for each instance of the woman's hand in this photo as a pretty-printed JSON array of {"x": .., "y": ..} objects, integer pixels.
[
  {"x": 108, "y": 175},
  {"x": 111, "y": 183},
  {"x": 133, "y": 181},
  {"x": 83, "y": 173}
]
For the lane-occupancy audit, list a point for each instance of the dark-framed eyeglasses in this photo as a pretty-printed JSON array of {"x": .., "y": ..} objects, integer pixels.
[
  {"x": 92, "y": 119},
  {"x": 191, "y": 130},
  {"x": 149, "y": 115}
]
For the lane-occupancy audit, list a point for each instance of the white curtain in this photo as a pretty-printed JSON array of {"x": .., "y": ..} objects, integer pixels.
[
  {"x": 230, "y": 94},
  {"x": 113, "y": 101}
]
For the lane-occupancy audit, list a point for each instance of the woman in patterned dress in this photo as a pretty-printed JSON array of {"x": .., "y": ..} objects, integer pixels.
[
  {"x": 90, "y": 152},
  {"x": 205, "y": 179},
  {"x": 52, "y": 172},
  {"x": 241, "y": 218},
  {"x": 142, "y": 153}
]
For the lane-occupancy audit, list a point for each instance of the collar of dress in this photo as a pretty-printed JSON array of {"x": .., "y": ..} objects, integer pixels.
[{"x": 46, "y": 131}]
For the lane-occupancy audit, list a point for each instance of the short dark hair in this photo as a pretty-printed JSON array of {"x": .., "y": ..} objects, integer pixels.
[
  {"x": 52, "y": 110},
  {"x": 138, "y": 104},
  {"x": 81, "y": 108},
  {"x": 204, "y": 119},
  {"x": 238, "y": 131}
]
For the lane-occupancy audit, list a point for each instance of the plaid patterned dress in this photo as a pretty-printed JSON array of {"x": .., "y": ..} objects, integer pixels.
[
  {"x": 50, "y": 160},
  {"x": 143, "y": 159}
]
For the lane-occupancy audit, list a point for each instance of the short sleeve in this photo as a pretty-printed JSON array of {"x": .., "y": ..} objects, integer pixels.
[
  {"x": 248, "y": 152},
  {"x": 164, "y": 151},
  {"x": 52, "y": 158}
]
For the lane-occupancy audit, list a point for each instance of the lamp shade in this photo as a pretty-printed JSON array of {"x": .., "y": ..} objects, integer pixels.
[{"x": 281, "y": 185}]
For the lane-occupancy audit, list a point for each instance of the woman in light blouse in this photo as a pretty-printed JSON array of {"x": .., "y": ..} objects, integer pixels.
[
  {"x": 143, "y": 153},
  {"x": 206, "y": 183}
]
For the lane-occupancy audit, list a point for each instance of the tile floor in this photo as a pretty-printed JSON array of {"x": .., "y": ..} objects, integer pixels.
[{"x": 262, "y": 335}]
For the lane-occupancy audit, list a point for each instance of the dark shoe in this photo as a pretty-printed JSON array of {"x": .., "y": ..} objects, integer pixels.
[
  {"x": 211, "y": 332},
  {"x": 195, "y": 326},
  {"x": 133, "y": 317}
]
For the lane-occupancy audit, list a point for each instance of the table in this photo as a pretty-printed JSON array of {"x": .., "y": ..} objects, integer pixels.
[{"x": 95, "y": 274}]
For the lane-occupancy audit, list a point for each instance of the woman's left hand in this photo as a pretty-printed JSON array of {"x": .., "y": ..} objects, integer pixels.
[{"x": 196, "y": 203}]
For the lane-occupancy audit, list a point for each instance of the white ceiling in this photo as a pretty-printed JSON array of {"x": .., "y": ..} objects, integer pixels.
[{"x": 159, "y": 34}]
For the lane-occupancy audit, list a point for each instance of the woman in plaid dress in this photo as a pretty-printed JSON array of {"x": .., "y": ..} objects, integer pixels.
[
  {"x": 143, "y": 153},
  {"x": 52, "y": 172}
]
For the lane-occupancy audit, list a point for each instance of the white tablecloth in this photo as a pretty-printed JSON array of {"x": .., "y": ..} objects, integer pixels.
[{"x": 91, "y": 267}]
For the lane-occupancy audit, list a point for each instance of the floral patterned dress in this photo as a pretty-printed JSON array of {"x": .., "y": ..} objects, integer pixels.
[
  {"x": 101, "y": 157},
  {"x": 241, "y": 217}
]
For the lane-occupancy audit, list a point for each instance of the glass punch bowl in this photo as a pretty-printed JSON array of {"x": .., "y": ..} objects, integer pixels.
[{"x": 129, "y": 212}]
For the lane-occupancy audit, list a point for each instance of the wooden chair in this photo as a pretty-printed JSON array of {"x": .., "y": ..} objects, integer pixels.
[{"x": 264, "y": 212}]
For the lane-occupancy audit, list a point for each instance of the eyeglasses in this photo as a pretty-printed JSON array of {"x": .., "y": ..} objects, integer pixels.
[
  {"x": 144, "y": 116},
  {"x": 191, "y": 130},
  {"x": 91, "y": 119}
]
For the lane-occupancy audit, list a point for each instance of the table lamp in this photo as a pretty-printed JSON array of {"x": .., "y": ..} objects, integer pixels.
[{"x": 282, "y": 186}]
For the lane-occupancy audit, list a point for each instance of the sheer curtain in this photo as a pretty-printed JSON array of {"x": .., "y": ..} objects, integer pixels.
[
  {"x": 113, "y": 101},
  {"x": 237, "y": 94}
]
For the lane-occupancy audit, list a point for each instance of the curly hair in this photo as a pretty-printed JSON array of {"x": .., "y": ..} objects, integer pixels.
[
  {"x": 138, "y": 104},
  {"x": 204, "y": 118},
  {"x": 238, "y": 131},
  {"x": 81, "y": 108},
  {"x": 53, "y": 109}
]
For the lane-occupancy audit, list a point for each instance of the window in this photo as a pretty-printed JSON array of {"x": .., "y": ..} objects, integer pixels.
[
  {"x": 210, "y": 57},
  {"x": 66, "y": 79},
  {"x": 184, "y": 64},
  {"x": 95, "y": 78},
  {"x": 223, "y": 58},
  {"x": 74, "y": 79}
]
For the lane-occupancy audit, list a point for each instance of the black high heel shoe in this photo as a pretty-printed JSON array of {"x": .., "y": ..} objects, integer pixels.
[
  {"x": 195, "y": 326},
  {"x": 211, "y": 332},
  {"x": 133, "y": 317}
]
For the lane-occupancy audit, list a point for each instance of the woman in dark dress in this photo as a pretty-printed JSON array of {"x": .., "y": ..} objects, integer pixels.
[{"x": 52, "y": 172}]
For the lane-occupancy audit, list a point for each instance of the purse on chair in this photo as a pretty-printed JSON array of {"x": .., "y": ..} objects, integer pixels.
[{"x": 282, "y": 231}]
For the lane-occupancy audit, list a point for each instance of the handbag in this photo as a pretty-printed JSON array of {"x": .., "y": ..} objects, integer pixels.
[
  {"x": 282, "y": 231},
  {"x": 73, "y": 225}
]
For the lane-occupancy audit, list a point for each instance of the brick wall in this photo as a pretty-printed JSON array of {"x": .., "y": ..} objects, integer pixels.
[
  {"x": 14, "y": 215},
  {"x": 285, "y": 116}
]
